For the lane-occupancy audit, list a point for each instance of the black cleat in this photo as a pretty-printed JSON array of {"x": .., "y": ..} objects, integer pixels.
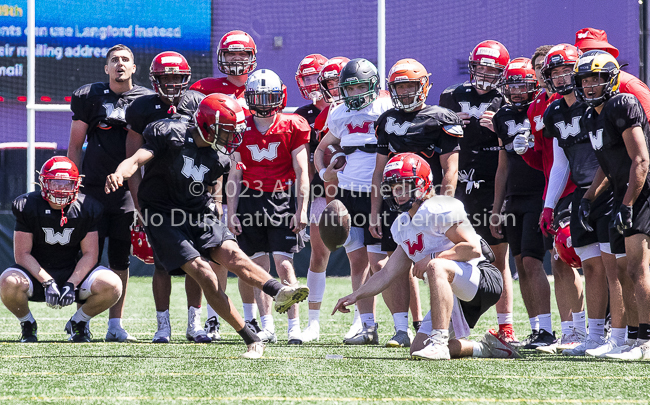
[
  {"x": 542, "y": 339},
  {"x": 80, "y": 334},
  {"x": 254, "y": 326},
  {"x": 28, "y": 332},
  {"x": 525, "y": 342}
]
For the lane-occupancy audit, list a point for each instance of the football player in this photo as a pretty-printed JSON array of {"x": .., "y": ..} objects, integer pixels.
[
  {"x": 236, "y": 58},
  {"x": 182, "y": 168},
  {"x": 352, "y": 126},
  {"x": 476, "y": 102},
  {"x": 573, "y": 155},
  {"x": 98, "y": 117},
  {"x": 307, "y": 79},
  {"x": 435, "y": 236},
  {"x": 520, "y": 187},
  {"x": 429, "y": 131},
  {"x": 264, "y": 211},
  {"x": 170, "y": 77},
  {"x": 56, "y": 251},
  {"x": 568, "y": 284},
  {"x": 618, "y": 132}
]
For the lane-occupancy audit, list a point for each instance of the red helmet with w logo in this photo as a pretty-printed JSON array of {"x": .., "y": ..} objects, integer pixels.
[
  {"x": 221, "y": 122},
  {"x": 59, "y": 180},
  {"x": 307, "y": 76},
  {"x": 491, "y": 54},
  {"x": 331, "y": 71},
  {"x": 519, "y": 81},
  {"x": 166, "y": 64},
  {"x": 558, "y": 56},
  {"x": 406, "y": 174},
  {"x": 237, "y": 41}
]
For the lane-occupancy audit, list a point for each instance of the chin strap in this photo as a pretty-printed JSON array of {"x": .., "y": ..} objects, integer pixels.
[
  {"x": 64, "y": 219},
  {"x": 172, "y": 109}
]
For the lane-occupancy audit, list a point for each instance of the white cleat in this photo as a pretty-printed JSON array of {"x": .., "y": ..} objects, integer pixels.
[
  {"x": 295, "y": 336},
  {"x": 629, "y": 343},
  {"x": 119, "y": 335},
  {"x": 212, "y": 329},
  {"x": 588, "y": 344},
  {"x": 571, "y": 341},
  {"x": 164, "y": 332},
  {"x": 195, "y": 333},
  {"x": 436, "y": 349},
  {"x": 355, "y": 329},
  {"x": 497, "y": 347},
  {"x": 267, "y": 336},
  {"x": 254, "y": 350},
  {"x": 639, "y": 351},
  {"x": 311, "y": 332},
  {"x": 609, "y": 346}
]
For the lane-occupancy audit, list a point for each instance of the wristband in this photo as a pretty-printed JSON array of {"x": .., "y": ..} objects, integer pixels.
[
  {"x": 321, "y": 173},
  {"x": 47, "y": 283}
]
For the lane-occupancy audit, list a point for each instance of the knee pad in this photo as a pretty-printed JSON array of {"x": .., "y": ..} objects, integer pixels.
[
  {"x": 588, "y": 252},
  {"x": 375, "y": 249}
]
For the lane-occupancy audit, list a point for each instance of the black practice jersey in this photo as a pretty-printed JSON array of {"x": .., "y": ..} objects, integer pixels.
[
  {"x": 56, "y": 247},
  {"x": 104, "y": 112},
  {"x": 566, "y": 125},
  {"x": 310, "y": 112},
  {"x": 478, "y": 145},
  {"x": 180, "y": 173},
  {"x": 606, "y": 129},
  {"x": 522, "y": 179},
  {"x": 147, "y": 109},
  {"x": 429, "y": 132}
]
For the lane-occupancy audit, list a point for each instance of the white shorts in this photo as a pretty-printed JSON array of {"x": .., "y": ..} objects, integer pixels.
[{"x": 84, "y": 288}]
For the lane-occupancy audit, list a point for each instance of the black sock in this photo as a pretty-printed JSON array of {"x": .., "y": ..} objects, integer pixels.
[
  {"x": 644, "y": 331},
  {"x": 272, "y": 287},
  {"x": 632, "y": 332},
  {"x": 248, "y": 335},
  {"x": 416, "y": 325}
]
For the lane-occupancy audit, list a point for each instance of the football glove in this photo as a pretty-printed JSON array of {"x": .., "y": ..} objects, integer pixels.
[
  {"x": 623, "y": 218},
  {"x": 67, "y": 294},
  {"x": 546, "y": 222},
  {"x": 583, "y": 214},
  {"x": 520, "y": 144},
  {"x": 52, "y": 294}
]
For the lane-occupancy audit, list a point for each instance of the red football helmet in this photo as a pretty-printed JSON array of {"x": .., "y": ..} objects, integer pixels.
[
  {"x": 140, "y": 247},
  {"x": 307, "y": 76},
  {"x": 519, "y": 80},
  {"x": 237, "y": 41},
  {"x": 493, "y": 55},
  {"x": 408, "y": 70},
  {"x": 560, "y": 55},
  {"x": 410, "y": 172},
  {"x": 221, "y": 122},
  {"x": 563, "y": 245},
  {"x": 60, "y": 181},
  {"x": 170, "y": 63},
  {"x": 331, "y": 70}
]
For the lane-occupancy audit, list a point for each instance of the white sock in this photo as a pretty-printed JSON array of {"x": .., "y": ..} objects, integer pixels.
[
  {"x": 28, "y": 318},
  {"x": 113, "y": 323},
  {"x": 316, "y": 284},
  {"x": 567, "y": 327},
  {"x": 368, "y": 319},
  {"x": 477, "y": 349},
  {"x": 294, "y": 323},
  {"x": 80, "y": 316},
  {"x": 212, "y": 313},
  {"x": 314, "y": 315},
  {"x": 596, "y": 328},
  {"x": 267, "y": 323},
  {"x": 505, "y": 319},
  {"x": 164, "y": 313},
  {"x": 401, "y": 320},
  {"x": 249, "y": 311},
  {"x": 545, "y": 322},
  {"x": 534, "y": 323},
  {"x": 357, "y": 315},
  {"x": 579, "y": 322},
  {"x": 619, "y": 335}
]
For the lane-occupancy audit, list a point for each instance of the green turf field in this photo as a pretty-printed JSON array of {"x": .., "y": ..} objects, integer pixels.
[{"x": 54, "y": 371}]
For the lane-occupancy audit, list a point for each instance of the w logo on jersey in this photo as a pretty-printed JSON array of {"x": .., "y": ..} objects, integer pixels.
[
  {"x": 596, "y": 140},
  {"x": 52, "y": 238},
  {"x": 417, "y": 246},
  {"x": 397, "y": 129},
  {"x": 473, "y": 111},
  {"x": 260, "y": 154},
  {"x": 114, "y": 113},
  {"x": 539, "y": 122},
  {"x": 572, "y": 129},
  {"x": 514, "y": 128},
  {"x": 356, "y": 129},
  {"x": 190, "y": 170}
]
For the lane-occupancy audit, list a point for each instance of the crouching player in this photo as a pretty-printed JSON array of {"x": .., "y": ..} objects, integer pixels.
[
  {"x": 56, "y": 249},
  {"x": 434, "y": 234}
]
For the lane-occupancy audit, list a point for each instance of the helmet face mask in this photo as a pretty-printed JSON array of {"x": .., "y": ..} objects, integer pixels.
[
  {"x": 228, "y": 59},
  {"x": 487, "y": 63},
  {"x": 170, "y": 76},
  {"x": 60, "y": 181},
  {"x": 356, "y": 72},
  {"x": 408, "y": 84},
  {"x": 558, "y": 67},
  {"x": 307, "y": 76},
  {"x": 328, "y": 79},
  {"x": 596, "y": 77},
  {"x": 520, "y": 87},
  {"x": 221, "y": 122},
  {"x": 265, "y": 93}
]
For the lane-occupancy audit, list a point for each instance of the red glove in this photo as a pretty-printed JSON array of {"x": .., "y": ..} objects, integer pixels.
[{"x": 546, "y": 222}]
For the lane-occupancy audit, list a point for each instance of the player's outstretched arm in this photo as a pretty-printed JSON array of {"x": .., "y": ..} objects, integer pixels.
[
  {"x": 126, "y": 169},
  {"x": 398, "y": 265},
  {"x": 23, "y": 242}
]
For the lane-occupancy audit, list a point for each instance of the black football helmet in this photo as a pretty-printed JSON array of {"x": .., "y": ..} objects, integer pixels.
[{"x": 357, "y": 71}]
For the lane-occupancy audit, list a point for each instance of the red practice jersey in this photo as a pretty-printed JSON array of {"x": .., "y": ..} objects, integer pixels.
[
  {"x": 266, "y": 158},
  {"x": 211, "y": 85}
]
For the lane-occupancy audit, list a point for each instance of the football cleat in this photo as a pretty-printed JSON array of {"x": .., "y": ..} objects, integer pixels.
[
  {"x": 311, "y": 333},
  {"x": 627, "y": 346},
  {"x": 119, "y": 335},
  {"x": 254, "y": 350},
  {"x": 80, "y": 334},
  {"x": 639, "y": 351},
  {"x": 507, "y": 334},
  {"x": 543, "y": 338},
  {"x": 436, "y": 348},
  {"x": 254, "y": 325},
  {"x": 194, "y": 332},
  {"x": 164, "y": 332},
  {"x": 212, "y": 328},
  {"x": 367, "y": 336},
  {"x": 295, "y": 336},
  {"x": 289, "y": 295},
  {"x": 609, "y": 346},
  {"x": 68, "y": 328},
  {"x": 498, "y": 347},
  {"x": 355, "y": 328},
  {"x": 528, "y": 339},
  {"x": 580, "y": 350},
  {"x": 267, "y": 336},
  {"x": 401, "y": 339},
  {"x": 571, "y": 341},
  {"x": 28, "y": 332}
]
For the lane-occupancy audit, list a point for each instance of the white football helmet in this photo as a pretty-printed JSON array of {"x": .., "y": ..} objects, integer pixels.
[{"x": 264, "y": 93}]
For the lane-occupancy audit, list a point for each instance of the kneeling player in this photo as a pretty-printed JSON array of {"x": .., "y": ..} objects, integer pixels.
[
  {"x": 56, "y": 250},
  {"x": 434, "y": 234}
]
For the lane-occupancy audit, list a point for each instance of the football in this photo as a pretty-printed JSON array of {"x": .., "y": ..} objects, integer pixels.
[
  {"x": 334, "y": 225},
  {"x": 334, "y": 152}
]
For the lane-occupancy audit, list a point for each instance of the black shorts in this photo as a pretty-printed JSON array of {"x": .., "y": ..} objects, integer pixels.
[
  {"x": 564, "y": 204},
  {"x": 358, "y": 205},
  {"x": 59, "y": 276},
  {"x": 490, "y": 286},
  {"x": 599, "y": 219},
  {"x": 265, "y": 218},
  {"x": 521, "y": 226},
  {"x": 640, "y": 223},
  {"x": 387, "y": 242},
  {"x": 478, "y": 205},
  {"x": 178, "y": 237}
]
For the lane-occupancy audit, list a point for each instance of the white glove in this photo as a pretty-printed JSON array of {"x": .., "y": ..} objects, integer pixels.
[{"x": 520, "y": 144}]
